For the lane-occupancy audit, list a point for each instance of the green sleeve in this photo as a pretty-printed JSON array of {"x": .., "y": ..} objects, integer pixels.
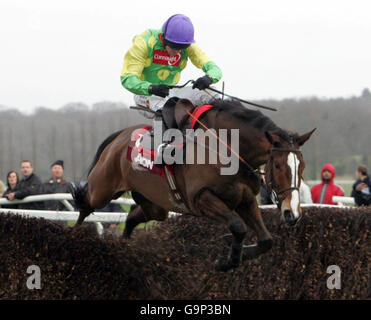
[
  {"x": 132, "y": 83},
  {"x": 212, "y": 70}
]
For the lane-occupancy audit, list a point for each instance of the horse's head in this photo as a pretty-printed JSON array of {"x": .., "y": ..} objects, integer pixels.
[{"x": 283, "y": 173}]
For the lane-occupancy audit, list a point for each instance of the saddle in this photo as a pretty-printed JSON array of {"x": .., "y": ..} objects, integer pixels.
[
  {"x": 175, "y": 113},
  {"x": 142, "y": 156}
]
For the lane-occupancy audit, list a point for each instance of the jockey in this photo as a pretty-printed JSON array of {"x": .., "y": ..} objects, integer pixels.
[{"x": 156, "y": 59}]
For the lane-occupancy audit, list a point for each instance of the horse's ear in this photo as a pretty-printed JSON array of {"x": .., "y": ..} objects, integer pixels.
[{"x": 304, "y": 138}]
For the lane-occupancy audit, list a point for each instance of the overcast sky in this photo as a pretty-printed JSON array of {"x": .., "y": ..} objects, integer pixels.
[{"x": 56, "y": 52}]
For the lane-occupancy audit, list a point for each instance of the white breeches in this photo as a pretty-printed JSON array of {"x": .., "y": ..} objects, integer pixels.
[{"x": 197, "y": 97}]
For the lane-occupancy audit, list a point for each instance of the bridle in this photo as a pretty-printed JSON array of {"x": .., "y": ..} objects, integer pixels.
[{"x": 279, "y": 196}]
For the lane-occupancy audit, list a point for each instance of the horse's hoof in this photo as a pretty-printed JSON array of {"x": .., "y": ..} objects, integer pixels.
[
  {"x": 222, "y": 265},
  {"x": 228, "y": 239},
  {"x": 250, "y": 252},
  {"x": 125, "y": 236}
]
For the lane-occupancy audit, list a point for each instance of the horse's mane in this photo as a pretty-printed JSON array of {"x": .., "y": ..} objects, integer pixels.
[
  {"x": 103, "y": 145},
  {"x": 253, "y": 118}
]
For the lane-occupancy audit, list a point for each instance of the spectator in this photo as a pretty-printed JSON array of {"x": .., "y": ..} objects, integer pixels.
[
  {"x": 12, "y": 180},
  {"x": 362, "y": 187},
  {"x": 28, "y": 186},
  {"x": 323, "y": 192},
  {"x": 2, "y": 188},
  {"x": 55, "y": 184},
  {"x": 305, "y": 194}
]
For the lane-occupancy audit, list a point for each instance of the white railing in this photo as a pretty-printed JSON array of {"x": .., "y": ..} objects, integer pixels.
[
  {"x": 341, "y": 201},
  {"x": 70, "y": 215},
  {"x": 62, "y": 197},
  {"x": 110, "y": 217},
  {"x": 341, "y": 182}
]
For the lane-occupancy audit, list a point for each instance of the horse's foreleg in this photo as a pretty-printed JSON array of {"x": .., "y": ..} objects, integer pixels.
[
  {"x": 250, "y": 213},
  {"x": 210, "y": 205}
]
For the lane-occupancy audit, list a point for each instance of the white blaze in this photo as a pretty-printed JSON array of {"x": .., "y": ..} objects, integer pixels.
[{"x": 293, "y": 162}]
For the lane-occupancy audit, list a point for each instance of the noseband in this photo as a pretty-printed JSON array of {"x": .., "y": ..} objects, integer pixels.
[{"x": 279, "y": 196}]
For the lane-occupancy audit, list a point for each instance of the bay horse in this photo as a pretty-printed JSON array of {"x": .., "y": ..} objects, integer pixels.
[{"x": 230, "y": 199}]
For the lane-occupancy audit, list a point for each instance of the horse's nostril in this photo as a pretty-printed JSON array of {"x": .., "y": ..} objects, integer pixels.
[{"x": 289, "y": 217}]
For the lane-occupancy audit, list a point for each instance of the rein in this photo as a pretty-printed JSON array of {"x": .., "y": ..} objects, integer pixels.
[
  {"x": 249, "y": 167},
  {"x": 276, "y": 196}
]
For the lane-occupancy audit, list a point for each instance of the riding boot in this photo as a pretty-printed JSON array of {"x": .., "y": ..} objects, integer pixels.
[
  {"x": 159, "y": 161},
  {"x": 165, "y": 139},
  {"x": 171, "y": 151},
  {"x": 159, "y": 149},
  {"x": 162, "y": 150}
]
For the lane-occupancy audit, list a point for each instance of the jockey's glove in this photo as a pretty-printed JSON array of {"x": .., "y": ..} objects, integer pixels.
[
  {"x": 202, "y": 83},
  {"x": 160, "y": 90}
]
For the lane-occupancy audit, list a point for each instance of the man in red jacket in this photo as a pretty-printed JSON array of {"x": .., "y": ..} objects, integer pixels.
[{"x": 323, "y": 192}]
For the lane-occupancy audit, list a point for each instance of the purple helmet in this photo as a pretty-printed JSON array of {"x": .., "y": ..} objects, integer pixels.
[{"x": 178, "y": 29}]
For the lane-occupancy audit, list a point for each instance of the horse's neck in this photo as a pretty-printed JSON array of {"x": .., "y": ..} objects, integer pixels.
[{"x": 253, "y": 146}]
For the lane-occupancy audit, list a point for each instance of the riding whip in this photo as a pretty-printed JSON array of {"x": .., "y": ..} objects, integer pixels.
[
  {"x": 142, "y": 109},
  {"x": 244, "y": 101}
]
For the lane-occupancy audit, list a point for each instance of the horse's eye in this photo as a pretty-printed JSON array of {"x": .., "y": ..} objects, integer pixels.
[{"x": 277, "y": 165}]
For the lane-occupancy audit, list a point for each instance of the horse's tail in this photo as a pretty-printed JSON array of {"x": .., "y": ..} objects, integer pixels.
[
  {"x": 78, "y": 191},
  {"x": 80, "y": 188}
]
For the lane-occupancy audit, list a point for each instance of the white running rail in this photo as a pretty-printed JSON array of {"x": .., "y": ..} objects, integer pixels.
[{"x": 109, "y": 217}]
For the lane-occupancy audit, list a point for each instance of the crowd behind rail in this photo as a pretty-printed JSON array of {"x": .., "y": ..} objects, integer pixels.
[{"x": 17, "y": 188}]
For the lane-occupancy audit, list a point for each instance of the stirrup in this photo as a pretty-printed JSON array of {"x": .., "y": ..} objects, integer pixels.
[{"x": 160, "y": 150}]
